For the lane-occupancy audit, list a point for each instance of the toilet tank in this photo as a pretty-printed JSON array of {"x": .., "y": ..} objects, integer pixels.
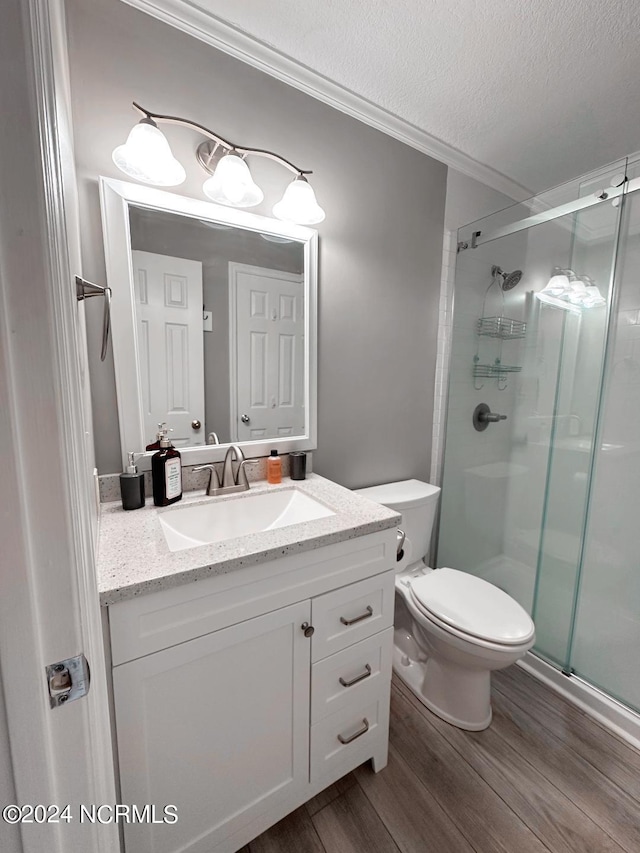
[{"x": 417, "y": 502}]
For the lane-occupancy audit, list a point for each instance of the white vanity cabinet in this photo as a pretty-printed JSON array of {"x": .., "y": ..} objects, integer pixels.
[
  {"x": 239, "y": 697},
  {"x": 218, "y": 727}
]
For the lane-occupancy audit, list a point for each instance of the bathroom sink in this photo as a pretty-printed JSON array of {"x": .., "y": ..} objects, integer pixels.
[{"x": 219, "y": 519}]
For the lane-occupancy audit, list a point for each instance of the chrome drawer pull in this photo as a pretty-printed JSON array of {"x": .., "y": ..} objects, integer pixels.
[
  {"x": 358, "y": 678},
  {"x": 362, "y": 731},
  {"x": 358, "y": 618}
]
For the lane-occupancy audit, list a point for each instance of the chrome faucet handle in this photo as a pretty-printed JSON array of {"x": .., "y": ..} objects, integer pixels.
[
  {"x": 214, "y": 482},
  {"x": 241, "y": 475}
]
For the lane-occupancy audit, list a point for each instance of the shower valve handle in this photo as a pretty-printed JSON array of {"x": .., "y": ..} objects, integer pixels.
[{"x": 483, "y": 416}]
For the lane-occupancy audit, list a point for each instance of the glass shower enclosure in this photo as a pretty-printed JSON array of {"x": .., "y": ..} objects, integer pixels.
[{"x": 545, "y": 501}]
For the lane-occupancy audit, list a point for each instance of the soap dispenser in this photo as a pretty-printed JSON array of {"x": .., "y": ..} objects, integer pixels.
[
  {"x": 166, "y": 472},
  {"x": 155, "y": 445},
  {"x": 132, "y": 485}
]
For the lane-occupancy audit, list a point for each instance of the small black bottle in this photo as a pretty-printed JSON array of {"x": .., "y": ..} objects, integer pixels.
[
  {"x": 166, "y": 472},
  {"x": 132, "y": 486}
]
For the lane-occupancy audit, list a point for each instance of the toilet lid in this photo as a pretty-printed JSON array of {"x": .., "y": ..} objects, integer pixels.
[{"x": 473, "y": 606}]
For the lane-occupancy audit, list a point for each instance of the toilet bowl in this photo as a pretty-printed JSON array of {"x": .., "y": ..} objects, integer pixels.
[{"x": 451, "y": 628}]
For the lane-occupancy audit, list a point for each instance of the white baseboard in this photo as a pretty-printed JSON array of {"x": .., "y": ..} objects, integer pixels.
[{"x": 610, "y": 713}]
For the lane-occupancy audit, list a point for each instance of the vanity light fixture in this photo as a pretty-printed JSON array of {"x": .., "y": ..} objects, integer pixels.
[
  {"x": 146, "y": 156},
  {"x": 567, "y": 290}
]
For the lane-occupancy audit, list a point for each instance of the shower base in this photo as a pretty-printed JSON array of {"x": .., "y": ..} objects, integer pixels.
[{"x": 610, "y": 713}]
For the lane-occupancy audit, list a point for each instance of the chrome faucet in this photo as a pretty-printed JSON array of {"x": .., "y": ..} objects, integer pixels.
[
  {"x": 232, "y": 481},
  {"x": 239, "y": 478}
]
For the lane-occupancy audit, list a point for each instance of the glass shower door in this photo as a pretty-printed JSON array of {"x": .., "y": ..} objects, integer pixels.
[
  {"x": 514, "y": 494},
  {"x": 606, "y": 638},
  {"x": 572, "y": 433}
]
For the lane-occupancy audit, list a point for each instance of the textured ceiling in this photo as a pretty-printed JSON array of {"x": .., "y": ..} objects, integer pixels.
[{"x": 539, "y": 90}]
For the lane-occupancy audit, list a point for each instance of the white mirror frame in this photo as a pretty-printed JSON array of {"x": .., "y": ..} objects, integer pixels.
[{"x": 115, "y": 200}]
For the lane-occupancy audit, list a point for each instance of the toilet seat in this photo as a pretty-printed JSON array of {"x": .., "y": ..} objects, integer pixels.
[{"x": 471, "y": 608}]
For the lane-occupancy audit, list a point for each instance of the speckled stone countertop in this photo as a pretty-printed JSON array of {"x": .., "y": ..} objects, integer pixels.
[{"x": 134, "y": 558}]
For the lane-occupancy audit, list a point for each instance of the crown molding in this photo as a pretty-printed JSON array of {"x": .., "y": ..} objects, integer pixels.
[{"x": 195, "y": 21}]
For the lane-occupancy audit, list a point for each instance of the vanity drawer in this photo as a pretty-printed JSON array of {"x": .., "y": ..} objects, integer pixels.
[
  {"x": 355, "y": 675},
  {"x": 350, "y": 614},
  {"x": 148, "y": 623},
  {"x": 344, "y": 740}
]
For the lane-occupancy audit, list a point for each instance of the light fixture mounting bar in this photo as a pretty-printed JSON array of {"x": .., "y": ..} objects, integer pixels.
[{"x": 240, "y": 149}]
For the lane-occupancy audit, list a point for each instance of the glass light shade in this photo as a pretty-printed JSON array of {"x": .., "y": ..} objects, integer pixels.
[
  {"x": 232, "y": 184},
  {"x": 593, "y": 298},
  {"x": 147, "y": 157},
  {"x": 557, "y": 284},
  {"x": 576, "y": 293},
  {"x": 559, "y": 291},
  {"x": 550, "y": 299},
  {"x": 298, "y": 204}
]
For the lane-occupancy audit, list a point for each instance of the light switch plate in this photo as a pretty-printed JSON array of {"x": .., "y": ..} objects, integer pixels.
[{"x": 207, "y": 321}]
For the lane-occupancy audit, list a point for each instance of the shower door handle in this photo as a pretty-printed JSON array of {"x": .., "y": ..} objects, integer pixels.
[{"x": 493, "y": 417}]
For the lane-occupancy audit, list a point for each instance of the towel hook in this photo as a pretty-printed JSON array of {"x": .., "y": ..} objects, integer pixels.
[{"x": 86, "y": 289}]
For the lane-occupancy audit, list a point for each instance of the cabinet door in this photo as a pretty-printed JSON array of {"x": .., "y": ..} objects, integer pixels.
[{"x": 218, "y": 727}]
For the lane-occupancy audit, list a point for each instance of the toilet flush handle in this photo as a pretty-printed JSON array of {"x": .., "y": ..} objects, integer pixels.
[{"x": 400, "y": 537}]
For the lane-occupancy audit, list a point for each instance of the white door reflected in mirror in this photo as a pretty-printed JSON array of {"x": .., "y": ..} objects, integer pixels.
[
  {"x": 267, "y": 336},
  {"x": 168, "y": 295}
]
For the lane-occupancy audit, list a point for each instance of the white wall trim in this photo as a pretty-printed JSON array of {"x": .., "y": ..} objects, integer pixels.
[
  {"x": 443, "y": 356},
  {"x": 52, "y": 609},
  {"x": 608, "y": 712},
  {"x": 185, "y": 16},
  {"x": 64, "y": 245}
]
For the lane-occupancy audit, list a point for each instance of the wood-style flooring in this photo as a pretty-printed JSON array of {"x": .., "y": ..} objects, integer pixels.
[{"x": 543, "y": 777}]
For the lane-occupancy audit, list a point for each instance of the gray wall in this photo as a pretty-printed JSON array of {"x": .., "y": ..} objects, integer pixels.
[
  {"x": 468, "y": 200},
  {"x": 380, "y": 245},
  {"x": 9, "y": 835}
]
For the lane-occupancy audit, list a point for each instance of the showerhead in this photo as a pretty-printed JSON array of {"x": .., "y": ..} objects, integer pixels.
[{"x": 509, "y": 279}]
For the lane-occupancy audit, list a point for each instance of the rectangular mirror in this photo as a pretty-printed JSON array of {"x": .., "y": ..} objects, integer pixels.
[{"x": 213, "y": 316}]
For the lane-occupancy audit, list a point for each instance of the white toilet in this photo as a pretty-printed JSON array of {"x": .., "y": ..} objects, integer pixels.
[{"x": 451, "y": 628}]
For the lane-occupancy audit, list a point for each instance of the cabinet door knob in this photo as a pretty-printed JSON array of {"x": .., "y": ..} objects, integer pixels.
[{"x": 308, "y": 629}]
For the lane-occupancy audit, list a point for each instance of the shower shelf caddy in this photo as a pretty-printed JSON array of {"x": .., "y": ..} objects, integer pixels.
[
  {"x": 503, "y": 328},
  {"x": 497, "y": 370},
  {"x": 499, "y": 328}
]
